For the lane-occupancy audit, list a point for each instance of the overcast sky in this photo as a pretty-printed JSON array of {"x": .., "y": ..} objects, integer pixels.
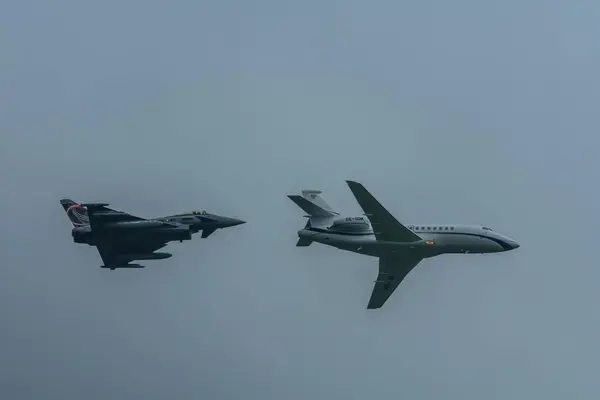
[{"x": 450, "y": 112}]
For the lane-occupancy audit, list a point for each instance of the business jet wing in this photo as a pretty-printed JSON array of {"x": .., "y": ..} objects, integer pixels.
[
  {"x": 392, "y": 271},
  {"x": 385, "y": 226}
]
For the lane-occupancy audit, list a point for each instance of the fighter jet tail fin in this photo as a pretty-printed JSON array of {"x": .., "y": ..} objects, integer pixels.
[{"x": 76, "y": 213}]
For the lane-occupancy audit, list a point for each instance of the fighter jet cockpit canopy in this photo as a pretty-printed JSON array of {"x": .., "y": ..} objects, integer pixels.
[
  {"x": 485, "y": 228},
  {"x": 195, "y": 213}
]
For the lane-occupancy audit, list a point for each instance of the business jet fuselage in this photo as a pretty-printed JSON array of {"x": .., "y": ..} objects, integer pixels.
[{"x": 356, "y": 234}]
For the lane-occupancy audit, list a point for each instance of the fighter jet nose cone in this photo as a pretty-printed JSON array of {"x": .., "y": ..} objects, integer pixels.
[{"x": 235, "y": 222}]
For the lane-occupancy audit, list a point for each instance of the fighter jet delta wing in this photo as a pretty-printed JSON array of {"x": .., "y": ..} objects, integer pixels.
[
  {"x": 392, "y": 270},
  {"x": 99, "y": 215},
  {"x": 116, "y": 253},
  {"x": 385, "y": 226},
  {"x": 100, "y": 210}
]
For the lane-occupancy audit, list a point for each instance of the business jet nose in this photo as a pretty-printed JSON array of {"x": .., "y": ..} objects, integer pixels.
[
  {"x": 508, "y": 243},
  {"x": 513, "y": 244}
]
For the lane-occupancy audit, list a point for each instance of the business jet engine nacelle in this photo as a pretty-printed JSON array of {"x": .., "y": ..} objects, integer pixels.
[{"x": 351, "y": 224}]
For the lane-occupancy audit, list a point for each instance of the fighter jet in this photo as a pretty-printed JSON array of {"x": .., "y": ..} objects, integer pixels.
[
  {"x": 121, "y": 237},
  {"x": 399, "y": 248}
]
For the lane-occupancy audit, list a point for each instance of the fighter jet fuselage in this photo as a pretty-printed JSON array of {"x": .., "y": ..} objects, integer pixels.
[
  {"x": 121, "y": 237},
  {"x": 84, "y": 234}
]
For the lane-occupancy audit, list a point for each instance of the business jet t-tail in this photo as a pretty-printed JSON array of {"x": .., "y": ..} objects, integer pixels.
[{"x": 399, "y": 248}]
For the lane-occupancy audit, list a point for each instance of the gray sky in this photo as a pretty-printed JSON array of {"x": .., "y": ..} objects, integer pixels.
[{"x": 449, "y": 112}]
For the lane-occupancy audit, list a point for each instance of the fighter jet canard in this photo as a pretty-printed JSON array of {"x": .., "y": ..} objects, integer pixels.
[
  {"x": 121, "y": 237},
  {"x": 377, "y": 233}
]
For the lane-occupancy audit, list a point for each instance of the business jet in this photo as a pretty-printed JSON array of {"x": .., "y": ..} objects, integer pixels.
[{"x": 377, "y": 233}]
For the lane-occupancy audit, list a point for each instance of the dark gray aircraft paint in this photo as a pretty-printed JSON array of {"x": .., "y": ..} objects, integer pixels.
[{"x": 121, "y": 237}]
